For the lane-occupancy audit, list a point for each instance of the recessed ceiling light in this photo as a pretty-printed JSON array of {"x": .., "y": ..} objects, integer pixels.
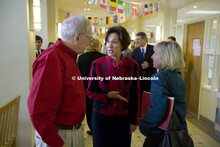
[
  {"x": 180, "y": 21},
  {"x": 89, "y": 2},
  {"x": 85, "y": 9},
  {"x": 88, "y": 9},
  {"x": 202, "y": 12},
  {"x": 194, "y": 6}
]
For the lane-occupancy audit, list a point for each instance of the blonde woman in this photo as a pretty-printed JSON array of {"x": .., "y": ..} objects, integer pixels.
[
  {"x": 168, "y": 58},
  {"x": 84, "y": 63}
]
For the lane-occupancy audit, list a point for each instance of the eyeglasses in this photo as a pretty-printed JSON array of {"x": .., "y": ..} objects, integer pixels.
[{"x": 90, "y": 38}]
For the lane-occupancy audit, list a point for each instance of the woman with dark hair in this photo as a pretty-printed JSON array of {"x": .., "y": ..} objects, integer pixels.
[{"x": 115, "y": 92}]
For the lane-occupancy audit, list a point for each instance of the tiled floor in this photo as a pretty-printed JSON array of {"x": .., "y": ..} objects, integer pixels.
[{"x": 200, "y": 138}]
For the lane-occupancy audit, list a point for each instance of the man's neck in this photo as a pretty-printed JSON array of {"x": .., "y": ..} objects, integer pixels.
[{"x": 68, "y": 43}]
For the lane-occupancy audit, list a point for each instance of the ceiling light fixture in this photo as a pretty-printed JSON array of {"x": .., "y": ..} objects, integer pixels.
[
  {"x": 89, "y": 2},
  {"x": 179, "y": 21},
  {"x": 202, "y": 12},
  {"x": 195, "y": 7}
]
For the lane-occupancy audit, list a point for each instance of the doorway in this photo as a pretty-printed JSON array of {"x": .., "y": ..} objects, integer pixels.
[{"x": 195, "y": 36}]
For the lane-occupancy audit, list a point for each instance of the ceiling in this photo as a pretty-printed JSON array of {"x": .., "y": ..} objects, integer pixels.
[
  {"x": 182, "y": 6},
  {"x": 186, "y": 14}
]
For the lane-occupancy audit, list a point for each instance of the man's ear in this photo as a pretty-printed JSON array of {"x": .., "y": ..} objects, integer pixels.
[{"x": 76, "y": 38}]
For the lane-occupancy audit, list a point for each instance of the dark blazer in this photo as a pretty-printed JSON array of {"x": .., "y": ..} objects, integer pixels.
[
  {"x": 41, "y": 50},
  {"x": 145, "y": 72},
  {"x": 84, "y": 63}
]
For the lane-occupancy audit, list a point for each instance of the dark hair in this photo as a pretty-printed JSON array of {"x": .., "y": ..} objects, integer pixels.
[
  {"x": 50, "y": 43},
  {"x": 172, "y": 38},
  {"x": 142, "y": 34},
  {"x": 38, "y": 38},
  {"x": 123, "y": 36}
]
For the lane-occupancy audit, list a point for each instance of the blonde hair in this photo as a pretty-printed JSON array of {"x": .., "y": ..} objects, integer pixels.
[
  {"x": 171, "y": 55},
  {"x": 94, "y": 46}
]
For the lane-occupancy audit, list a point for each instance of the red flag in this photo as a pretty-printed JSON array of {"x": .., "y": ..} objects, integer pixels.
[
  {"x": 134, "y": 9},
  {"x": 103, "y": 4},
  {"x": 113, "y": 5},
  {"x": 95, "y": 20}
]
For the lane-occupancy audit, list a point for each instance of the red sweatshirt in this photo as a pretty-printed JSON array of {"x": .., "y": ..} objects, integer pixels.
[
  {"x": 55, "y": 96},
  {"x": 116, "y": 78}
]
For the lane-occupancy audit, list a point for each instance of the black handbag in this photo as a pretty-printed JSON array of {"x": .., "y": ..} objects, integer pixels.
[{"x": 175, "y": 136}]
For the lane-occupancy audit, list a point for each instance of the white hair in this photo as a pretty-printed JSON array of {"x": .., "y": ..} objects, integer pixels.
[{"x": 73, "y": 25}]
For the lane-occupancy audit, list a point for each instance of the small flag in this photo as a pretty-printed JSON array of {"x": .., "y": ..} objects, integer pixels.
[
  {"x": 141, "y": 10},
  {"x": 157, "y": 7},
  {"x": 113, "y": 5},
  {"x": 95, "y": 21},
  {"x": 146, "y": 9},
  {"x": 120, "y": 6},
  {"x": 127, "y": 8},
  {"x": 103, "y": 4},
  {"x": 100, "y": 20},
  {"x": 90, "y": 19},
  {"x": 99, "y": 31},
  {"x": 108, "y": 20},
  {"x": 93, "y": 29},
  {"x": 96, "y": 31},
  {"x": 94, "y": 1},
  {"x": 134, "y": 10},
  {"x": 115, "y": 18},
  {"x": 151, "y": 5},
  {"x": 122, "y": 17}
]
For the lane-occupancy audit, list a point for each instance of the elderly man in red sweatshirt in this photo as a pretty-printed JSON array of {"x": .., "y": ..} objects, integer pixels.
[{"x": 57, "y": 100}]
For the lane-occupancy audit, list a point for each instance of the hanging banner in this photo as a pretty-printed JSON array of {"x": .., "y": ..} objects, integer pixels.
[
  {"x": 108, "y": 20},
  {"x": 115, "y": 19},
  {"x": 120, "y": 6},
  {"x": 146, "y": 9},
  {"x": 90, "y": 19},
  {"x": 103, "y": 4},
  {"x": 95, "y": 22},
  {"x": 94, "y": 1},
  {"x": 100, "y": 21},
  {"x": 141, "y": 10},
  {"x": 122, "y": 17},
  {"x": 113, "y": 5},
  {"x": 151, "y": 5},
  {"x": 134, "y": 11},
  {"x": 127, "y": 8}
]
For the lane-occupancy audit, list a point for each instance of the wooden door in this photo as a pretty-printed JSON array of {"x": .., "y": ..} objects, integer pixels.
[{"x": 193, "y": 66}]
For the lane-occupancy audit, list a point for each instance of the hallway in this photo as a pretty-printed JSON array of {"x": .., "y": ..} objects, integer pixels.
[{"x": 200, "y": 138}]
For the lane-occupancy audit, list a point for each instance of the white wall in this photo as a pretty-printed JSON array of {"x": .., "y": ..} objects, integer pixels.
[
  {"x": 43, "y": 33},
  {"x": 208, "y": 104},
  {"x": 14, "y": 61}
]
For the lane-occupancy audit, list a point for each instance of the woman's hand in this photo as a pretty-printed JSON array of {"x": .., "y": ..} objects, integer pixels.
[
  {"x": 115, "y": 94},
  {"x": 133, "y": 128}
]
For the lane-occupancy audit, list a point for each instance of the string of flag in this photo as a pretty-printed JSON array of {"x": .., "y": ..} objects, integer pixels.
[
  {"x": 121, "y": 7},
  {"x": 108, "y": 20},
  {"x": 124, "y": 9}
]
